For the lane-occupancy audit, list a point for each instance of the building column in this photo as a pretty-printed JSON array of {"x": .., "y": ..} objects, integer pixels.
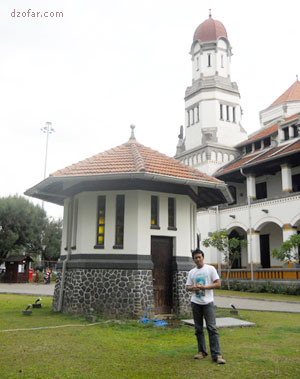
[
  {"x": 287, "y": 231},
  {"x": 286, "y": 178},
  {"x": 253, "y": 247},
  {"x": 251, "y": 189}
]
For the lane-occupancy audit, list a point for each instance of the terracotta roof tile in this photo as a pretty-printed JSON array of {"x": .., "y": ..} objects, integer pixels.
[
  {"x": 291, "y": 94},
  {"x": 262, "y": 156},
  {"x": 260, "y": 134},
  {"x": 132, "y": 157}
]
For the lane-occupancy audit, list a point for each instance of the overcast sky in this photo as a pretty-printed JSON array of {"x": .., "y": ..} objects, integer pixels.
[{"x": 109, "y": 63}]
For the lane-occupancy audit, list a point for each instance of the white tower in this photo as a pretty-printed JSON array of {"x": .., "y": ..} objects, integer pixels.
[{"x": 212, "y": 103}]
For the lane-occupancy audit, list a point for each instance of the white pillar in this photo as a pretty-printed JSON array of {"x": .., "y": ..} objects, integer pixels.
[
  {"x": 254, "y": 242},
  {"x": 251, "y": 189},
  {"x": 286, "y": 178}
]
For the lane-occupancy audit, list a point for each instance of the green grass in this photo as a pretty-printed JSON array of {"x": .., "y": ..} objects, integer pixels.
[
  {"x": 264, "y": 295},
  {"x": 132, "y": 350}
]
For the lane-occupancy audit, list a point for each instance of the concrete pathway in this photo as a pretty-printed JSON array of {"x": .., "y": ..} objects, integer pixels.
[
  {"x": 257, "y": 304},
  {"x": 220, "y": 301},
  {"x": 28, "y": 289}
]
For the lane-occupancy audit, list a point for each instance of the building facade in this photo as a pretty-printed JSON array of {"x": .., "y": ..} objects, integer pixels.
[{"x": 262, "y": 171}]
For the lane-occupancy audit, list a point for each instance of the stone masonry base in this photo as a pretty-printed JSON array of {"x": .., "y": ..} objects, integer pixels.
[{"x": 116, "y": 292}]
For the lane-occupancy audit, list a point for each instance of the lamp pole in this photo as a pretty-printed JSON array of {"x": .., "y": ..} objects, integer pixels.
[{"x": 47, "y": 130}]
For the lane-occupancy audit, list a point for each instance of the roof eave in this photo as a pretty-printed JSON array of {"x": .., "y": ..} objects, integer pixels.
[{"x": 38, "y": 190}]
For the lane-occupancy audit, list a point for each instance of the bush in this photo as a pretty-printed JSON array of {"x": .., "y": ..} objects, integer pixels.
[{"x": 265, "y": 287}]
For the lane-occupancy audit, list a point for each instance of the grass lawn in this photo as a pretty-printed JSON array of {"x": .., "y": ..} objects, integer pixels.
[
  {"x": 266, "y": 296},
  {"x": 128, "y": 349}
]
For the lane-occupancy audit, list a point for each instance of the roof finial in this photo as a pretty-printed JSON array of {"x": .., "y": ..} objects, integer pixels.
[
  {"x": 132, "y": 132},
  {"x": 209, "y": 13}
]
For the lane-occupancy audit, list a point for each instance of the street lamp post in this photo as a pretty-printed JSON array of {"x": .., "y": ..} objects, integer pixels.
[{"x": 48, "y": 130}]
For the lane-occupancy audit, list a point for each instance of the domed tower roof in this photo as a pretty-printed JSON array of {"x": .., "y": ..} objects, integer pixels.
[{"x": 210, "y": 30}]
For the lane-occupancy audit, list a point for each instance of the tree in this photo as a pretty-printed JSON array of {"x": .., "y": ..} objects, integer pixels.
[
  {"x": 229, "y": 247},
  {"x": 52, "y": 240},
  {"x": 24, "y": 227},
  {"x": 288, "y": 251}
]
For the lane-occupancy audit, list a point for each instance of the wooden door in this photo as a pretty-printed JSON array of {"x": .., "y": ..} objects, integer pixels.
[
  {"x": 161, "y": 255},
  {"x": 265, "y": 250}
]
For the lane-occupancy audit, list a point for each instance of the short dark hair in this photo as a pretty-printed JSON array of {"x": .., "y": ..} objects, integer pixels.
[{"x": 197, "y": 251}]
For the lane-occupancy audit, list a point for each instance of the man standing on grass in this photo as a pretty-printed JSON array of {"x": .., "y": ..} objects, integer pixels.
[{"x": 201, "y": 281}]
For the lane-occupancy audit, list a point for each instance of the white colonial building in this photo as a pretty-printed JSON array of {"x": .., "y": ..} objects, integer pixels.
[{"x": 263, "y": 171}]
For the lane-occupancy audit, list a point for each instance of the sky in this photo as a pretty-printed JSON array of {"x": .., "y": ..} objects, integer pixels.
[{"x": 107, "y": 64}]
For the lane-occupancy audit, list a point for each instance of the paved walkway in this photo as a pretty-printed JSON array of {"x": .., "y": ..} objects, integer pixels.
[{"x": 220, "y": 301}]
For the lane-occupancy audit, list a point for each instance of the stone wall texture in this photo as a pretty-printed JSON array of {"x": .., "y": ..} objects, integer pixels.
[{"x": 116, "y": 292}]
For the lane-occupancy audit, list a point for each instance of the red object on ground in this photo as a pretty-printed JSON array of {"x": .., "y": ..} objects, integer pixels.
[{"x": 30, "y": 274}]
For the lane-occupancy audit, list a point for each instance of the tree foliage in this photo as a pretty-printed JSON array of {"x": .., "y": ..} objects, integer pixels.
[
  {"x": 288, "y": 251},
  {"x": 24, "y": 227},
  {"x": 52, "y": 240},
  {"x": 229, "y": 247}
]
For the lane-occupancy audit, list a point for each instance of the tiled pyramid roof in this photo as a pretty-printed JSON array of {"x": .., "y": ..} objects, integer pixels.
[
  {"x": 291, "y": 94},
  {"x": 133, "y": 157}
]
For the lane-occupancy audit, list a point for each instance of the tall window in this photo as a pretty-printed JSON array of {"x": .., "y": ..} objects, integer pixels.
[
  {"x": 227, "y": 113},
  {"x": 197, "y": 63},
  {"x": 101, "y": 222},
  {"x": 209, "y": 60},
  {"x": 233, "y": 114},
  {"x": 120, "y": 206},
  {"x": 154, "y": 212},
  {"x": 221, "y": 111},
  {"x": 222, "y": 61},
  {"x": 171, "y": 213},
  {"x": 295, "y": 131}
]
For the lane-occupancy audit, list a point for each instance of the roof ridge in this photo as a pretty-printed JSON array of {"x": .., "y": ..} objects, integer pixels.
[{"x": 138, "y": 159}]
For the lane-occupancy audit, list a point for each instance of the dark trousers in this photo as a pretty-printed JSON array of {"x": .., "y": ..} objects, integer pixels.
[{"x": 208, "y": 313}]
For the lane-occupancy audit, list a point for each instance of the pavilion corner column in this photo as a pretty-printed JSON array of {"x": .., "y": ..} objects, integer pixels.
[
  {"x": 251, "y": 189},
  {"x": 286, "y": 178}
]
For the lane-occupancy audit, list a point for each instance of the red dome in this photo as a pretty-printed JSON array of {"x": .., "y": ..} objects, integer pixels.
[{"x": 210, "y": 30}]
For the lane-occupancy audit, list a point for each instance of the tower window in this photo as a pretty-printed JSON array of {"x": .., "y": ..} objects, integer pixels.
[
  {"x": 227, "y": 113},
  {"x": 154, "y": 212},
  {"x": 233, "y": 114},
  {"x": 197, "y": 63},
  {"x": 120, "y": 205},
  {"x": 196, "y": 114},
  {"x": 221, "y": 111},
  {"x": 188, "y": 118},
  {"x": 208, "y": 60},
  {"x": 101, "y": 222},
  {"x": 222, "y": 61}
]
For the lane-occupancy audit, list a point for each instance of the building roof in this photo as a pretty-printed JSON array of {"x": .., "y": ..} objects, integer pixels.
[
  {"x": 259, "y": 134},
  {"x": 260, "y": 157},
  {"x": 210, "y": 30},
  {"x": 291, "y": 94},
  {"x": 266, "y": 132},
  {"x": 133, "y": 157},
  {"x": 131, "y": 166}
]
